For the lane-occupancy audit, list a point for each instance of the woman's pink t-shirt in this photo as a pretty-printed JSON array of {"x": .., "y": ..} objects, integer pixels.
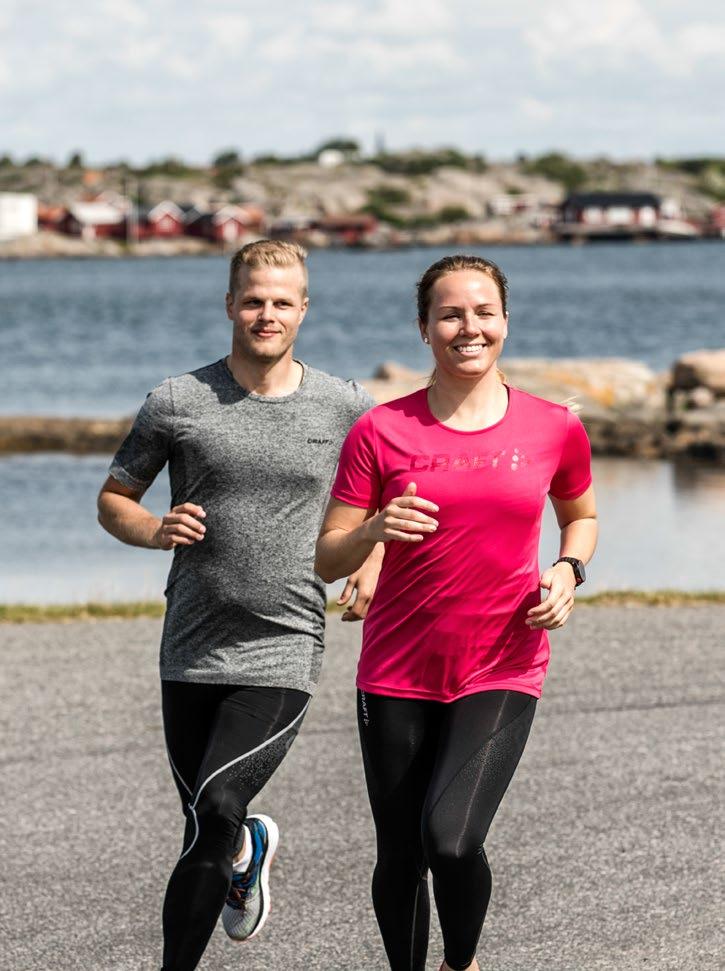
[{"x": 447, "y": 618}]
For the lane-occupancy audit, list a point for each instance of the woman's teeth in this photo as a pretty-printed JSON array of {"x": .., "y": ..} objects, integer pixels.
[{"x": 469, "y": 348}]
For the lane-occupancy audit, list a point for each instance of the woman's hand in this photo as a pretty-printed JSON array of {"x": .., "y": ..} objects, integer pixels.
[
  {"x": 554, "y": 611},
  {"x": 403, "y": 519}
]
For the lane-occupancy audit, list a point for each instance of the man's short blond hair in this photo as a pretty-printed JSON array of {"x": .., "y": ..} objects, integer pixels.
[{"x": 268, "y": 252}]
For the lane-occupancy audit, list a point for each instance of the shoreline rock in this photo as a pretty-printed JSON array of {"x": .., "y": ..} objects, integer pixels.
[{"x": 628, "y": 409}]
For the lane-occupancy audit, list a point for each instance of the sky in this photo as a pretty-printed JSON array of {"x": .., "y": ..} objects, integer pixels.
[{"x": 144, "y": 79}]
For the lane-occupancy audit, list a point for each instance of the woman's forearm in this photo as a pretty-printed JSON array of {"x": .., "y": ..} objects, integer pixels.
[
  {"x": 340, "y": 552},
  {"x": 579, "y": 539}
]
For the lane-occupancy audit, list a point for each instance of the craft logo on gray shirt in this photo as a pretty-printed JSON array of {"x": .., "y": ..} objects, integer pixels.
[{"x": 244, "y": 605}]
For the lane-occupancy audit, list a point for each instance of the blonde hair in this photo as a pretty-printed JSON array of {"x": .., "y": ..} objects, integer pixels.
[{"x": 268, "y": 252}]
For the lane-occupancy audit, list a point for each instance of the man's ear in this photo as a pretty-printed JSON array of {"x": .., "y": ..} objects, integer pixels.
[
  {"x": 228, "y": 301},
  {"x": 303, "y": 311}
]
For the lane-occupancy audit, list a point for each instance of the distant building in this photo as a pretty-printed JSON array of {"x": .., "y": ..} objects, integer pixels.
[
  {"x": 50, "y": 217},
  {"x": 346, "y": 230},
  {"x": 228, "y": 224},
  {"x": 18, "y": 215},
  {"x": 611, "y": 209},
  {"x": 619, "y": 215},
  {"x": 161, "y": 221},
  {"x": 357, "y": 230},
  {"x": 330, "y": 158},
  {"x": 96, "y": 219},
  {"x": 717, "y": 221},
  {"x": 508, "y": 203}
]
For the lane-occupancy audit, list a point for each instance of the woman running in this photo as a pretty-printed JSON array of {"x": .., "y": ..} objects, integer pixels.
[{"x": 454, "y": 480}]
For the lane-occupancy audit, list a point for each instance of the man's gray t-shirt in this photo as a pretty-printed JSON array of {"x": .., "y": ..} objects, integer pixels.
[{"x": 244, "y": 605}]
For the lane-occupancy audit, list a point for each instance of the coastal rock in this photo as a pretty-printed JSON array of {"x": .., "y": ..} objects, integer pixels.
[
  {"x": 705, "y": 368},
  {"x": 700, "y": 397},
  {"x": 699, "y": 434},
  {"x": 622, "y": 403},
  {"x": 80, "y": 435},
  {"x": 596, "y": 384}
]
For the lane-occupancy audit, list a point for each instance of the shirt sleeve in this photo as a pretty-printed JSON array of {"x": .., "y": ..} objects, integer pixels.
[
  {"x": 147, "y": 447},
  {"x": 358, "y": 473},
  {"x": 362, "y": 400},
  {"x": 573, "y": 475}
]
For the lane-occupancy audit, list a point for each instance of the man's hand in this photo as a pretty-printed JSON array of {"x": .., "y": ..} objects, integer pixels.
[
  {"x": 363, "y": 584},
  {"x": 180, "y": 527},
  {"x": 554, "y": 611}
]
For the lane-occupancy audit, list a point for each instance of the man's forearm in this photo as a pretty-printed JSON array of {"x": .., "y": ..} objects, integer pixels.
[{"x": 127, "y": 520}]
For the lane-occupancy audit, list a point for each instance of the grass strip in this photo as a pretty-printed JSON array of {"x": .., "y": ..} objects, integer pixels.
[
  {"x": 652, "y": 598},
  {"x": 59, "y": 613}
]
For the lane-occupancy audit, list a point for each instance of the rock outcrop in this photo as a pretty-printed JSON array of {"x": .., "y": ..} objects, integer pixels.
[
  {"x": 627, "y": 408},
  {"x": 696, "y": 405},
  {"x": 80, "y": 435}
]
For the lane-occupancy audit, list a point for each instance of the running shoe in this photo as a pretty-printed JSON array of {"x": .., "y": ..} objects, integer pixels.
[{"x": 248, "y": 904}]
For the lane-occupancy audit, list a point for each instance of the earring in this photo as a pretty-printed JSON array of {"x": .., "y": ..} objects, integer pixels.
[{"x": 426, "y": 341}]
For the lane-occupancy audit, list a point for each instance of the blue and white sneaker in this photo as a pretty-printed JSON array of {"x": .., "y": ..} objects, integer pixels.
[{"x": 248, "y": 903}]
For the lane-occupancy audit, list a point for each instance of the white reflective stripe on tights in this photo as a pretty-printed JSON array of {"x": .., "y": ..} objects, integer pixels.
[
  {"x": 239, "y": 758},
  {"x": 176, "y": 772}
]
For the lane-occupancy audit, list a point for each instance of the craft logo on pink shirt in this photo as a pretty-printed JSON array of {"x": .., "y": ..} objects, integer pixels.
[{"x": 468, "y": 461}]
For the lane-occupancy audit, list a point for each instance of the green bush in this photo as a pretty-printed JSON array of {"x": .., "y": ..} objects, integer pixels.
[
  {"x": 171, "y": 166},
  {"x": 388, "y": 195},
  {"x": 693, "y": 166},
  {"x": 423, "y": 163},
  {"x": 453, "y": 214},
  {"x": 558, "y": 168}
]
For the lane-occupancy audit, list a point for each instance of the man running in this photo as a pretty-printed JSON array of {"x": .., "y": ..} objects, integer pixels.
[{"x": 252, "y": 442}]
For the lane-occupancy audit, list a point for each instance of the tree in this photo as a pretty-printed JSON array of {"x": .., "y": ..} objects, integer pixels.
[
  {"x": 229, "y": 156},
  {"x": 559, "y": 168},
  {"x": 75, "y": 161},
  {"x": 348, "y": 146}
]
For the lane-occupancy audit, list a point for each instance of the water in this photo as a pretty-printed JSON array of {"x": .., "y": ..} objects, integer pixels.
[
  {"x": 91, "y": 337},
  {"x": 653, "y": 517}
]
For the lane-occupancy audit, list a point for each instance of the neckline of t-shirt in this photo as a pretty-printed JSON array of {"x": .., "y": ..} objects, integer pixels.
[
  {"x": 474, "y": 431},
  {"x": 266, "y": 398}
]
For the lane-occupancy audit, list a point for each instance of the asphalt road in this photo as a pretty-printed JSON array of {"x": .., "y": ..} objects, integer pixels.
[{"x": 606, "y": 851}]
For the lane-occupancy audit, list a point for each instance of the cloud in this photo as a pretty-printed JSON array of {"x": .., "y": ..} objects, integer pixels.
[
  {"x": 230, "y": 31},
  {"x": 280, "y": 77},
  {"x": 535, "y": 109}
]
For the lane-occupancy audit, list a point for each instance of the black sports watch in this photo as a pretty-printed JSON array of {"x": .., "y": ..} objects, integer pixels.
[{"x": 576, "y": 565}]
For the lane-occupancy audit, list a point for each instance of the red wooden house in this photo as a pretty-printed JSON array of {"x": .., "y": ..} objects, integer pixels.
[
  {"x": 162, "y": 221},
  {"x": 93, "y": 220},
  {"x": 228, "y": 224}
]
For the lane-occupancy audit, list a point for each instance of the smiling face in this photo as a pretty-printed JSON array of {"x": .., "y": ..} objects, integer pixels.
[
  {"x": 267, "y": 306},
  {"x": 466, "y": 325}
]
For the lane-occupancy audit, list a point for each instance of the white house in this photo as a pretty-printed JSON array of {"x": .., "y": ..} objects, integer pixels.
[{"x": 18, "y": 215}]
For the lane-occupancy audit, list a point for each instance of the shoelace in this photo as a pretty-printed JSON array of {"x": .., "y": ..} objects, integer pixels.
[{"x": 242, "y": 882}]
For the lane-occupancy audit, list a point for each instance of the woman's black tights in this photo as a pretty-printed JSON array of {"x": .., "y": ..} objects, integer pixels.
[{"x": 436, "y": 773}]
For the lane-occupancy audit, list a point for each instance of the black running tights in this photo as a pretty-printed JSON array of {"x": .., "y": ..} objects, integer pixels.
[
  {"x": 224, "y": 743},
  {"x": 436, "y": 774}
]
